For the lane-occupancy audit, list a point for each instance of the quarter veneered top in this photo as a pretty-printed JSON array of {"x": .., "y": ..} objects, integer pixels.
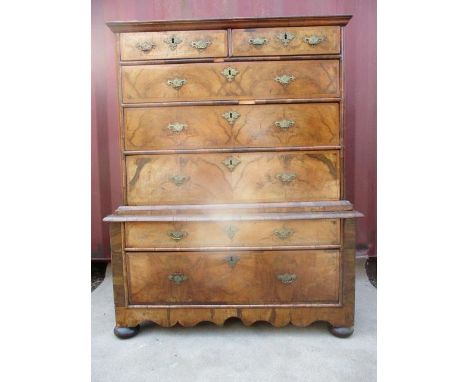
[{"x": 165, "y": 25}]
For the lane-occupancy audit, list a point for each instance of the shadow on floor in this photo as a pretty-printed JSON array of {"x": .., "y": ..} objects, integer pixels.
[
  {"x": 371, "y": 270},
  {"x": 98, "y": 272}
]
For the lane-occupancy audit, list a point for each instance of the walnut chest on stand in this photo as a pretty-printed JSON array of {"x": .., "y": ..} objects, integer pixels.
[{"x": 231, "y": 135}]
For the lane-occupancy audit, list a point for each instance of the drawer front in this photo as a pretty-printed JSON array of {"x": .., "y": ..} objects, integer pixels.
[
  {"x": 259, "y": 277},
  {"x": 230, "y": 126},
  {"x": 212, "y": 81},
  {"x": 286, "y": 41},
  {"x": 173, "y": 44},
  {"x": 232, "y": 233},
  {"x": 233, "y": 177}
]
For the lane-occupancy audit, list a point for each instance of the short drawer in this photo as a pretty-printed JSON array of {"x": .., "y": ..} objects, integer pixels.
[
  {"x": 286, "y": 41},
  {"x": 233, "y": 177},
  {"x": 192, "y": 127},
  {"x": 231, "y": 81},
  {"x": 232, "y": 233},
  {"x": 251, "y": 277},
  {"x": 166, "y": 45}
]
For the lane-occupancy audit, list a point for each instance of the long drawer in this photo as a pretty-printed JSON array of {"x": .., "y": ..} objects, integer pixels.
[
  {"x": 225, "y": 81},
  {"x": 260, "y": 277},
  {"x": 191, "y": 127},
  {"x": 232, "y": 233},
  {"x": 286, "y": 41},
  {"x": 173, "y": 44},
  {"x": 233, "y": 177}
]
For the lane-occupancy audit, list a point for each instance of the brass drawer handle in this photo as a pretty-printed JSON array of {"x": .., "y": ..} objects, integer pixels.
[
  {"x": 173, "y": 41},
  {"x": 176, "y": 127},
  {"x": 258, "y": 41},
  {"x": 230, "y": 73},
  {"x": 145, "y": 46},
  {"x": 283, "y": 233},
  {"x": 231, "y": 116},
  {"x": 200, "y": 44},
  {"x": 179, "y": 180},
  {"x": 232, "y": 260},
  {"x": 177, "y": 83},
  {"x": 231, "y": 163},
  {"x": 286, "y": 177},
  {"x": 177, "y": 235},
  {"x": 314, "y": 40},
  {"x": 287, "y": 278},
  {"x": 284, "y": 124},
  {"x": 177, "y": 278},
  {"x": 285, "y": 79},
  {"x": 285, "y": 37}
]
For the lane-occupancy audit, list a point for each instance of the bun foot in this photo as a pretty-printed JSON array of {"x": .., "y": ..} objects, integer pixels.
[
  {"x": 341, "y": 332},
  {"x": 124, "y": 333}
]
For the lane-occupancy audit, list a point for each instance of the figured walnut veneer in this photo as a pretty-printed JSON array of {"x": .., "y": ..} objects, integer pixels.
[
  {"x": 164, "y": 45},
  {"x": 253, "y": 279},
  {"x": 256, "y": 80},
  {"x": 252, "y": 177},
  {"x": 286, "y": 41},
  {"x": 240, "y": 234},
  {"x": 256, "y": 126}
]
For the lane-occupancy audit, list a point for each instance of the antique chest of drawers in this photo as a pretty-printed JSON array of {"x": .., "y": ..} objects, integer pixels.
[{"x": 232, "y": 174}]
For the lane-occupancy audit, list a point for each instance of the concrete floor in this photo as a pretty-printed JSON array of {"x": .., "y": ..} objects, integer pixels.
[{"x": 258, "y": 353}]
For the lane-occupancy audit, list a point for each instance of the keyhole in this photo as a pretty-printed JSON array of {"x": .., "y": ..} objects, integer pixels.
[
  {"x": 231, "y": 163},
  {"x": 285, "y": 36},
  {"x": 229, "y": 71},
  {"x": 230, "y": 115},
  {"x": 173, "y": 40}
]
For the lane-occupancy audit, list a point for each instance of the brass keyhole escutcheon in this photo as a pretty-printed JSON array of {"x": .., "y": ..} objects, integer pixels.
[
  {"x": 231, "y": 116},
  {"x": 177, "y": 278},
  {"x": 231, "y": 163},
  {"x": 285, "y": 37},
  {"x": 230, "y": 73},
  {"x": 231, "y": 231},
  {"x": 232, "y": 260},
  {"x": 173, "y": 41}
]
